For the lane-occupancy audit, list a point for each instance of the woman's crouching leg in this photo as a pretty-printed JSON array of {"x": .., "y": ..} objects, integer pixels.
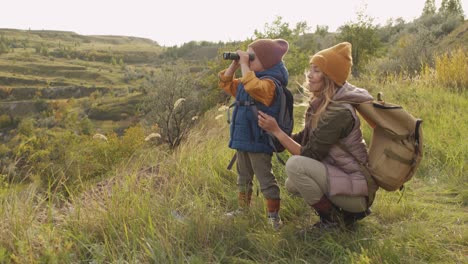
[{"x": 306, "y": 177}]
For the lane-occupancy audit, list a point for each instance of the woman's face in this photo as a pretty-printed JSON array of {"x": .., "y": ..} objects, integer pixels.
[
  {"x": 255, "y": 65},
  {"x": 315, "y": 79}
]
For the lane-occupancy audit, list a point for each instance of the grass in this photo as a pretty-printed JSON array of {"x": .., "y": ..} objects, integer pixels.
[{"x": 162, "y": 207}]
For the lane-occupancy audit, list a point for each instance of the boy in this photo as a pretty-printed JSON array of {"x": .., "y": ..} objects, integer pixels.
[{"x": 259, "y": 83}]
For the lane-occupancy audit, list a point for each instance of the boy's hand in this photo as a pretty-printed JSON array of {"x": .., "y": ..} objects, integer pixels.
[
  {"x": 234, "y": 64},
  {"x": 232, "y": 68},
  {"x": 243, "y": 57}
]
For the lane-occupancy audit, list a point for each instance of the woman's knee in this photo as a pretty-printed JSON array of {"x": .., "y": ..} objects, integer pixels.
[
  {"x": 293, "y": 166},
  {"x": 290, "y": 187}
]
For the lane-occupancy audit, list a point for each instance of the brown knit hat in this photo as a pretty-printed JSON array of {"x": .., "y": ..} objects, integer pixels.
[
  {"x": 335, "y": 62},
  {"x": 269, "y": 51}
]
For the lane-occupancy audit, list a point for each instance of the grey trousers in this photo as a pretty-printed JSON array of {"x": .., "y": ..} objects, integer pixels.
[
  {"x": 258, "y": 164},
  {"x": 308, "y": 178}
]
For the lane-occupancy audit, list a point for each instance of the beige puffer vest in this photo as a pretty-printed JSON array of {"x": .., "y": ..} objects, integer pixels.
[{"x": 344, "y": 175}]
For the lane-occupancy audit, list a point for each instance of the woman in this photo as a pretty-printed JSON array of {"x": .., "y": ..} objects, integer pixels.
[{"x": 322, "y": 169}]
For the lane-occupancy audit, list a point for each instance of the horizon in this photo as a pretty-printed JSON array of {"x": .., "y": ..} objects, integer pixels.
[{"x": 196, "y": 21}]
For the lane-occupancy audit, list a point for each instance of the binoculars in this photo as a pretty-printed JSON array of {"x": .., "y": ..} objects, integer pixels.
[{"x": 235, "y": 56}]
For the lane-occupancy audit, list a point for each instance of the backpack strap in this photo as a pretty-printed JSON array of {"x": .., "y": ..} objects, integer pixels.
[
  {"x": 281, "y": 114},
  {"x": 233, "y": 160},
  {"x": 240, "y": 103},
  {"x": 254, "y": 108},
  {"x": 270, "y": 141},
  {"x": 417, "y": 136},
  {"x": 282, "y": 98}
]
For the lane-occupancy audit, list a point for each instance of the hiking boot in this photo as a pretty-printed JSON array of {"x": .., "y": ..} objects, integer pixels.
[
  {"x": 319, "y": 227},
  {"x": 325, "y": 225},
  {"x": 351, "y": 218},
  {"x": 243, "y": 199},
  {"x": 275, "y": 222},
  {"x": 274, "y": 219},
  {"x": 330, "y": 215}
]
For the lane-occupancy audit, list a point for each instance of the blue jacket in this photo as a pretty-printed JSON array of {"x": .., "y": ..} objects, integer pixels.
[{"x": 246, "y": 135}]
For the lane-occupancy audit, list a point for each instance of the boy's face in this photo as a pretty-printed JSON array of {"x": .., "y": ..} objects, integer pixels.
[{"x": 255, "y": 65}]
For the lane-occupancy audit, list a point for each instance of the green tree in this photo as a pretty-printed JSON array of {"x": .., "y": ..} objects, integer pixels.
[
  {"x": 363, "y": 35},
  {"x": 429, "y": 8},
  {"x": 451, "y": 8},
  {"x": 321, "y": 30},
  {"x": 391, "y": 30}
]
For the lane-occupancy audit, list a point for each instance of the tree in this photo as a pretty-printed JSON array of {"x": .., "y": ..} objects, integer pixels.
[
  {"x": 173, "y": 102},
  {"x": 364, "y": 38},
  {"x": 296, "y": 59},
  {"x": 390, "y": 32},
  {"x": 429, "y": 8},
  {"x": 451, "y": 8},
  {"x": 414, "y": 50},
  {"x": 321, "y": 30}
]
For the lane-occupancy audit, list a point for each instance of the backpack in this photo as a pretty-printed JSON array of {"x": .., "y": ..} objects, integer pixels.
[
  {"x": 396, "y": 146},
  {"x": 286, "y": 115},
  {"x": 285, "y": 118}
]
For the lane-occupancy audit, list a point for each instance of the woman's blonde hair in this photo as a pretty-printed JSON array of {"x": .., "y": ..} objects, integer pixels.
[{"x": 325, "y": 96}]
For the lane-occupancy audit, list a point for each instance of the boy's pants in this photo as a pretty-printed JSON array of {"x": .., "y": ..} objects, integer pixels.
[
  {"x": 258, "y": 164},
  {"x": 308, "y": 178}
]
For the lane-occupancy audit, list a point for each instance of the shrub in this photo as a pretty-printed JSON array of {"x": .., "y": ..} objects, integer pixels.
[
  {"x": 26, "y": 127},
  {"x": 174, "y": 99},
  {"x": 451, "y": 69},
  {"x": 5, "y": 92},
  {"x": 5, "y": 121}
]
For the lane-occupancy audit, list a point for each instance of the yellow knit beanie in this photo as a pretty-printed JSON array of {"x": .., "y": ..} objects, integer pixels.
[
  {"x": 269, "y": 51},
  {"x": 335, "y": 62}
]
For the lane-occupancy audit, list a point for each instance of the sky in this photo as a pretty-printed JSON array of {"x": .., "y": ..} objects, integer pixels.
[{"x": 174, "y": 22}]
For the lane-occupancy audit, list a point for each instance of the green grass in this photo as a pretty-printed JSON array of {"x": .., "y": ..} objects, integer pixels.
[{"x": 162, "y": 207}]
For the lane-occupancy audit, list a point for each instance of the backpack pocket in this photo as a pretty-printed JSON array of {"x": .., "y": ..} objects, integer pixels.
[{"x": 392, "y": 162}]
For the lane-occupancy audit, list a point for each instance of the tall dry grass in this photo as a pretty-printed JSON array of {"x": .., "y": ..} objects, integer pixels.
[{"x": 162, "y": 207}]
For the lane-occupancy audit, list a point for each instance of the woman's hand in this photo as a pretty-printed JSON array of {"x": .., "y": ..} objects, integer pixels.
[{"x": 268, "y": 123}]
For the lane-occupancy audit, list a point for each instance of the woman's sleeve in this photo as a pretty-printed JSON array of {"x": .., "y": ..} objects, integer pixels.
[
  {"x": 298, "y": 136},
  {"x": 336, "y": 123}
]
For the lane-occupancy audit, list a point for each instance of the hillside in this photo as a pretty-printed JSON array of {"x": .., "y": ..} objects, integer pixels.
[
  {"x": 38, "y": 69},
  {"x": 113, "y": 149},
  {"x": 457, "y": 38},
  {"x": 163, "y": 207},
  {"x": 31, "y": 58},
  {"x": 55, "y": 59}
]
